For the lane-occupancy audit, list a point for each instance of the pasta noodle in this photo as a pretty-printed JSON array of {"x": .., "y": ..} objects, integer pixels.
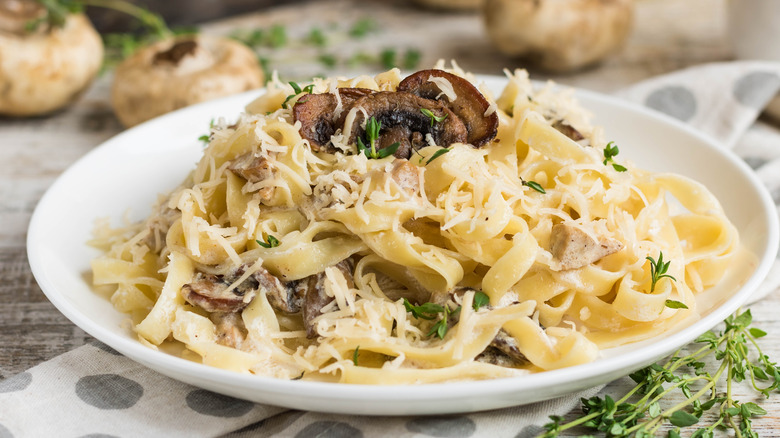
[{"x": 532, "y": 252}]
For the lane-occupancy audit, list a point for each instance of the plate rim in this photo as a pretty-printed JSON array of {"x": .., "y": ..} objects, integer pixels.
[{"x": 353, "y": 393}]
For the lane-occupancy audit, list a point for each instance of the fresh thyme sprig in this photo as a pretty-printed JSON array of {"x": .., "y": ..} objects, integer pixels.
[
  {"x": 436, "y": 155},
  {"x": 610, "y": 152},
  {"x": 658, "y": 270},
  {"x": 434, "y": 118},
  {"x": 534, "y": 185},
  {"x": 373, "y": 126},
  {"x": 270, "y": 242},
  {"x": 296, "y": 91},
  {"x": 431, "y": 311},
  {"x": 118, "y": 46},
  {"x": 640, "y": 413}
]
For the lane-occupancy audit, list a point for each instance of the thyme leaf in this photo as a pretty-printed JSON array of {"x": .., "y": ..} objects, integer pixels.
[
  {"x": 270, "y": 242},
  {"x": 658, "y": 270},
  {"x": 434, "y": 118},
  {"x": 437, "y": 154}
]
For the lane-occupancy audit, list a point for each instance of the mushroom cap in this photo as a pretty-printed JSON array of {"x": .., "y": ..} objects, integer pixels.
[
  {"x": 181, "y": 71},
  {"x": 470, "y": 105},
  {"x": 318, "y": 117},
  {"x": 43, "y": 71},
  {"x": 403, "y": 121},
  {"x": 559, "y": 35}
]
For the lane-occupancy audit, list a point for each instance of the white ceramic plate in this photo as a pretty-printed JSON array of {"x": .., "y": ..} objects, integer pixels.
[{"x": 127, "y": 172}]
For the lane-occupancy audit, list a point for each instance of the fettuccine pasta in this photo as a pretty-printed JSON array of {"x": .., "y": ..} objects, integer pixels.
[{"x": 297, "y": 248}]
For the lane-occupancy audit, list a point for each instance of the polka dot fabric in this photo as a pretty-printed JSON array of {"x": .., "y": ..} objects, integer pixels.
[{"x": 95, "y": 392}]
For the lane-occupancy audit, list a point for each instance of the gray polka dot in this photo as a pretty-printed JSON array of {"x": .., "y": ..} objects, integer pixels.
[
  {"x": 5, "y": 433},
  {"x": 16, "y": 383},
  {"x": 756, "y": 89},
  {"x": 443, "y": 426},
  {"x": 676, "y": 101},
  {"x": 217, "y": 405},
  {"x": 755, "y": 162},
  {"x": 329, "y": 429},
  {"x": 109, "y": 391},
  {"x": 530, "y": 432},
  {"x": 105, "y": 348}
]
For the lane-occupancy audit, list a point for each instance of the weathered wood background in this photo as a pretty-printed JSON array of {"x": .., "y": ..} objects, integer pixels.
[{"x": 668, "y": 35}]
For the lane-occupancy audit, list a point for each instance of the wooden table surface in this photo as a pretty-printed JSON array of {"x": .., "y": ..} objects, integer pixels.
[{"x": 668, "y": 35}]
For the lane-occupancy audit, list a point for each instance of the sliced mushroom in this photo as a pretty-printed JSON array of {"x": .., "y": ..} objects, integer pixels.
[
  {"x": 46, "y": 68},
  {"x": 402, "y": 120},
  {"x": 174, "y": 73},
  {"x": 467, "y": 102},
  {"x": 315, "y": 296},
  {"x": 282, "y": 296},
  {"x": 230, "y": 328},
  {"x": 255, "y": 169},
  {"x": 568, "y": 130},
  {"x": 210, "y": 292},
  {"x": 319, "y": 118},
  {"x": 575, "y": 249}
]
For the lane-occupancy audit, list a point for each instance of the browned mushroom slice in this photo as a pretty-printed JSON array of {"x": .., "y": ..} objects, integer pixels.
[
  {"x": 315, "y": 297},
  {"x": 468, "y": 103},
  {"x": 503, "y": 351},
  {"x": 281, "y": 296},
  {"x": 318, "y": 116},
  {"x": 255, "y": 169},
  {"x": 210, "y": 292},
  {"x": 230, "y": 328},
  {"x": 402, "y": 120},
  {"x": 568, "y": 130},
  {"x": 574, "y": 248}
]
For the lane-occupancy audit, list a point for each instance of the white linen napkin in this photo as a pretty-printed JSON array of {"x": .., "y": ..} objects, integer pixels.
[{"x": 93, "y": 391}]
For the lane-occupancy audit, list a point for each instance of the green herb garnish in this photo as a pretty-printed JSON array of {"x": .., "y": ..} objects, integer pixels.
[
  {"x": 658, "y": 270},
  {"x": 387, "y": 58},
  {"x": 411, "y": 59},
  {"x": 534, "y": 185},
  {"x": 373, "y": 126},
  {"x": 441, "y": 326},
  {"x": 430, "y": 311},
  {"x": 362, "y": 27},
  {"x": 437, "y": 154},
  {"x": 317, "y": 37},
  {"x": 328, "y": 60},
  {"x": 672, "y": 304},
  {"x": 355, "y": 355},
  {"x": 270, "y": 242},
  {"x": 434, "y": 118},
  {"x": 277, "y": 36},
  {"x": 610, "y": 152},
  {"x": 738, "y": 357},
  {"x": 481, "y": 299},
  {"x": 296, "y": 91},
  {"x": 423, "y": 311}
]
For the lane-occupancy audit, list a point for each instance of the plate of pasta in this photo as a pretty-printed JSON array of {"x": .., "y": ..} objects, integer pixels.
[{"x": 332, "y": 246}]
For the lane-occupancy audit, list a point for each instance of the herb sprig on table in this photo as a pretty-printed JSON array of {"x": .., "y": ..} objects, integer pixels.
[{"x": 641, "y": 413}]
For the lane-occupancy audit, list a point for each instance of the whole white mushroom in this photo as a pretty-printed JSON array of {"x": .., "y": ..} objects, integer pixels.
[
  {"x": 181, "y": 71},
  {"x": 558, "y": 35},
  {"x": 44, "y": 67}
]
